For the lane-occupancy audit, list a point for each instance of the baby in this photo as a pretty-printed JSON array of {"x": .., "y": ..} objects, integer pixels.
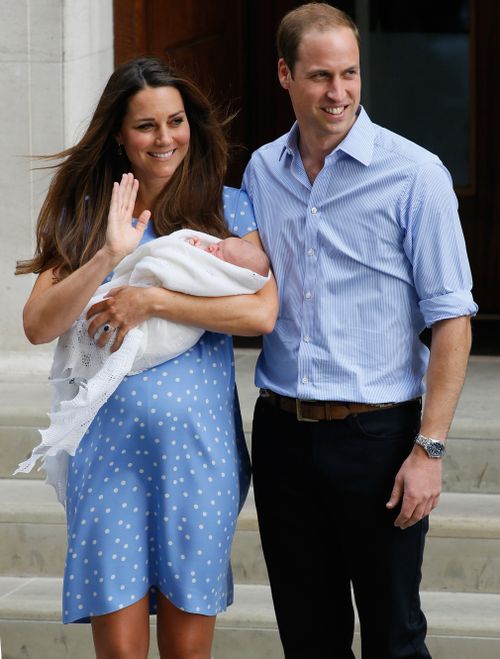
[{"x": 236, "y": 251}]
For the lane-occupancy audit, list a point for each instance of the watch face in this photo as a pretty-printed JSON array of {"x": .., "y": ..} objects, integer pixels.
[{"x": 434, "y": 449}]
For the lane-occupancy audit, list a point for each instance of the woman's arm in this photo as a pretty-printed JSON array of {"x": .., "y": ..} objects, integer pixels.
[
  {"x": 54, "y": 305},
  {"x": 245, "y": 315}
]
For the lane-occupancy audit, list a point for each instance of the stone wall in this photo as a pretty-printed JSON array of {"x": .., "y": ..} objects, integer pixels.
[{"x": 55, "y": 57}]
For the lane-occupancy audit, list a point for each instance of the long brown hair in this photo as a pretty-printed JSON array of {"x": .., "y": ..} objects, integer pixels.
[{"x": 72, "y": 221}]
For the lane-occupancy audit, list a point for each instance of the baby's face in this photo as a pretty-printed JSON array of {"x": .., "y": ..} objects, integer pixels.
[
  {"x": 217, "y": 249},
  {"x": 228, "y": 249}
]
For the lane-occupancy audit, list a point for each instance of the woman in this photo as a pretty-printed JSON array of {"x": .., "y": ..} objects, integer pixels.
[{"x": 157, "y": 481}]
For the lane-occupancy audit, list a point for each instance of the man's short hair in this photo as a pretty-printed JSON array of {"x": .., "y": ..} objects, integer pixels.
[{"x": 311, "y": 16}]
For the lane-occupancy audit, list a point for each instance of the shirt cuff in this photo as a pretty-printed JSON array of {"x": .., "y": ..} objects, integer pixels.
[{"x": 450, "y": 305}]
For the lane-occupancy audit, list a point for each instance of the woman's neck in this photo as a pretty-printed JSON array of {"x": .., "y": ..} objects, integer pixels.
[{"x": 146, "y": 197}]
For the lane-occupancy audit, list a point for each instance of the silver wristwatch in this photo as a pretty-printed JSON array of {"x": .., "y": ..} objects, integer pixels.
[{"x": 433, "y": 447}]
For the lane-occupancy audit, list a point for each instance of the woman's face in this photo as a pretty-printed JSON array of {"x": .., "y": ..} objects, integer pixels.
[{"x": 155, "y": 134}]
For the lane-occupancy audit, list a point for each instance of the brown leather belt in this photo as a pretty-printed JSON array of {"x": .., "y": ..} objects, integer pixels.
[{"x": 322, "y": 410}]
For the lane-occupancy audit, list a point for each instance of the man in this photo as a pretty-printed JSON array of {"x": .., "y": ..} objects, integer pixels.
[{"x": 362, "y": 230}]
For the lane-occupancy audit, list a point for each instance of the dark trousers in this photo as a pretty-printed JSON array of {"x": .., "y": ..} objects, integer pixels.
[{"x": 320, "y": 491}]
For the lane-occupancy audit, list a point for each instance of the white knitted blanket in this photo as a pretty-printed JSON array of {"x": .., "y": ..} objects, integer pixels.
[{"x": 84, "y": 376}]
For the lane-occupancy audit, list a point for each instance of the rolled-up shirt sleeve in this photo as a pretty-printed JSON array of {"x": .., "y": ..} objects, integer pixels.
[{"x": 435, "y": 245}]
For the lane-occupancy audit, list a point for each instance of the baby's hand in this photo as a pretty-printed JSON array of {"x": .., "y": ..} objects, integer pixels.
[{"x": 196, "y": 242}]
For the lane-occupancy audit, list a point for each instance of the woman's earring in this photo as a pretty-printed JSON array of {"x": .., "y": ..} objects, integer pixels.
[{"x": 119, "y": 150}]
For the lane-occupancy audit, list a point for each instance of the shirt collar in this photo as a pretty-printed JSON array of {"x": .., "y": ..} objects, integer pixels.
[
  {"x": 290, "y": 146},
  {"x": 358, "y": 143}
]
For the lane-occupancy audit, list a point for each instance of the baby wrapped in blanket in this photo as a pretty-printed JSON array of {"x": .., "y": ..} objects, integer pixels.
[{"x": 85, "y": 376}]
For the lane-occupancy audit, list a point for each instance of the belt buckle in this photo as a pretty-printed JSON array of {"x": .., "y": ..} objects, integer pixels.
[{"x": 298, "y": 409}]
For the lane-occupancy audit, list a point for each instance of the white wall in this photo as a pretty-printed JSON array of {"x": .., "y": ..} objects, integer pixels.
[{"x": 55, "y": 57}]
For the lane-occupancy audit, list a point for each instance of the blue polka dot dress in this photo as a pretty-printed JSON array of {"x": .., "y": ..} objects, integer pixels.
[{"x": 157, "y": 482}]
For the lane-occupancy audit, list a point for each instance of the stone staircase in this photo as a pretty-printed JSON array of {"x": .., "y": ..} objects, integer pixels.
[{"x": 461, "y": 582}]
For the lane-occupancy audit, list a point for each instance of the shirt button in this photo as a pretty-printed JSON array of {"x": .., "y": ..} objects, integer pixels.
[
  {"x": 307, "y": 338},
  {"x": 314, "y": 210},
  {"x": 308, "y": 295},
  {"x": 310, "y": 252},
  {"x": 305, "y": 380}
]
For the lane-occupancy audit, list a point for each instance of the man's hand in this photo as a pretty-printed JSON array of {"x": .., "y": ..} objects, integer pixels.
[{"x": 418, "y": 483}]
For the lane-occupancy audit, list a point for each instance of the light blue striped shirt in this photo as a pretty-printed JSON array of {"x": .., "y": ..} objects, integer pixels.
[{"x": 365, "y": 257}]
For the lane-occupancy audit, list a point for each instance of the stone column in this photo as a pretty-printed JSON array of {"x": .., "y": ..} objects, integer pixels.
[{"x": 55, "y": 57}]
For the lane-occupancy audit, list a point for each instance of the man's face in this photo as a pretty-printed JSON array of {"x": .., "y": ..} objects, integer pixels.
[{"x": 325, "y": 89}]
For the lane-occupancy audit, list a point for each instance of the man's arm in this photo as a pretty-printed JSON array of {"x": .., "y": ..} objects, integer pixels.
[{"x": 419, "y": 479}]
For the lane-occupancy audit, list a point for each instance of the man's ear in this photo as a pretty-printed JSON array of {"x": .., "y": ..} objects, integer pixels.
[{"x": 284, "y": 73}]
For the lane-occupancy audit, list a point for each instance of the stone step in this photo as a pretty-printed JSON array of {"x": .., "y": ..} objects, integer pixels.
[
  {"x": 477, "y": 415},
  {"x": 23, "y": 408},
  {"x": 462, "y": 553},
  {"x": 16, "y": 444},
  {"x": 462, "y": 547},
  {"x": 471, "y": 465},
  {"x": 461, "y": 625},
  {"x": 25, "y": 398}
]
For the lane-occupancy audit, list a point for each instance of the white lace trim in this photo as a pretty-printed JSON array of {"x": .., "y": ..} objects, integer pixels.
[{"x": 71, "y": 418}]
